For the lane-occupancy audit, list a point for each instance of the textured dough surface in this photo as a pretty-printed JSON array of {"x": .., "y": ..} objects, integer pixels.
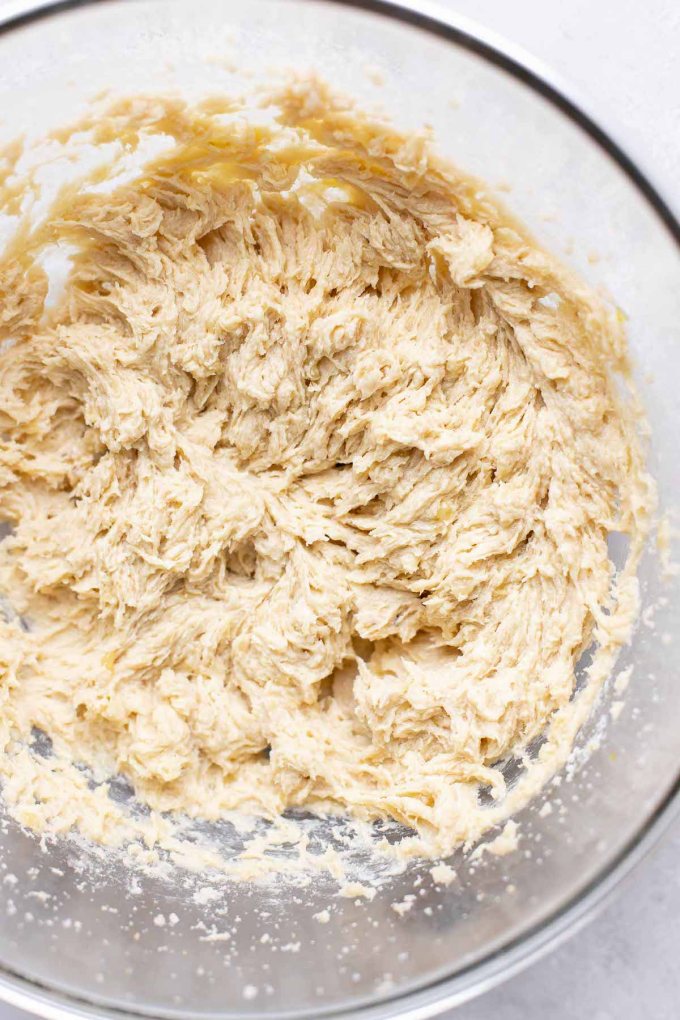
[{"x": 311, "y": 472}]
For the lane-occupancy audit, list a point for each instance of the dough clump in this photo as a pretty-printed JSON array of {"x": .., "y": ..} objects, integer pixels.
[{"x": 310, "y": 473}]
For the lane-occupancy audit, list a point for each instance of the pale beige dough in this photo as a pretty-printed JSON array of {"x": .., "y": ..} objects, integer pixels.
[{"x": 311, "y": 473}]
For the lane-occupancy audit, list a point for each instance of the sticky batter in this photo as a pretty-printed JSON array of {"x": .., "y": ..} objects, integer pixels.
[{"x": 310, "y": 473}]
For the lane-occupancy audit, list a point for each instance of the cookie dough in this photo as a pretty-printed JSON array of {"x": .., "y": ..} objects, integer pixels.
[{"x": 310, "y": 473}]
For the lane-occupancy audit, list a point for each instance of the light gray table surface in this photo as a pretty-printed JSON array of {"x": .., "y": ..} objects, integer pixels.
[{"x": 622, "y": 56}]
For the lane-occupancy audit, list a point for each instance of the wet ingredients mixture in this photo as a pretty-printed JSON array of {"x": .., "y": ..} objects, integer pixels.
[{"x": 310, "y": 472}]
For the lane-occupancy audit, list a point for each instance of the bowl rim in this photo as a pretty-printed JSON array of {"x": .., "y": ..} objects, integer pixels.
[{"x": 560, "y": 924}]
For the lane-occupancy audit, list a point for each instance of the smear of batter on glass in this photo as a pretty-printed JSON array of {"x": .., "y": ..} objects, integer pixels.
[{"x": 310, "y": 471}]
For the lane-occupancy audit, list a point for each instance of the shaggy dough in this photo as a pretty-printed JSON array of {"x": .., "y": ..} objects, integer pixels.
[{"x": 311, "y": 472}]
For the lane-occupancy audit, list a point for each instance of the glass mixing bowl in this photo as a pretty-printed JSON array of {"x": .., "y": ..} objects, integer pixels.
[{"x": 80, "y": 934}]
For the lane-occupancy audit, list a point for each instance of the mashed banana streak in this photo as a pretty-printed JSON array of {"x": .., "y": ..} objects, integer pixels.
[{"x": 310, "y": 473}]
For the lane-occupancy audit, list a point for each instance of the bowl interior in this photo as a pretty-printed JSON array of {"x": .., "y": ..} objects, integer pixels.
[{"x": 77, "y": 926}]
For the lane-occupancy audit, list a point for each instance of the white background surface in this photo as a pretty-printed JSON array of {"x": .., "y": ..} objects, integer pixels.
[{"x": 622, "y": 56}]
